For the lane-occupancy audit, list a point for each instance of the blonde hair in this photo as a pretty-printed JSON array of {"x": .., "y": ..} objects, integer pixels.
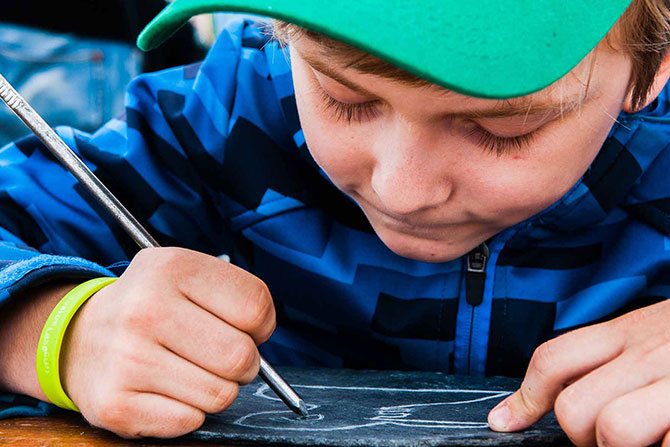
[{"x": 642, "y": 32}]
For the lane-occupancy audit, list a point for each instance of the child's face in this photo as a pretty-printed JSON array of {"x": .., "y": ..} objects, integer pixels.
[{"x": 425, "y": 169}]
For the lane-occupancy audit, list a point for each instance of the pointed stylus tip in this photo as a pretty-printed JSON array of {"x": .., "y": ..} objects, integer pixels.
[{"x": 303, "y": 408}]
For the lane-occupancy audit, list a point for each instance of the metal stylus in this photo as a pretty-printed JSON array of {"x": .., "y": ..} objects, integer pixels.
[{"x": 73, "y": 163}]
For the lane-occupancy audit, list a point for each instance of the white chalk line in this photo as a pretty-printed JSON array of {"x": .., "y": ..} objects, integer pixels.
[
  {"x": 391, "y": 415},
  {"x": 262, "y": 389}
]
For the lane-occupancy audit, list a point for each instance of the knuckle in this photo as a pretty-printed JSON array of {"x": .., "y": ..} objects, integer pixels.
[
  {"x": 160, "y": 259},
  {"x": 131, "y": 359},
  {"x": 140, "y": 315},
  {"x": 268, "y": 330},
  {"x": 651, "y": 353},
  {"x": 542, "y": 360},
  {"x": 243, "y": 359},
  {"x": 612, "y": 426},
  {"x": 189, "y": 422},
  {"x": 113, "y": 414},
  {"x": 258, "y": 304},
  {"x": 169, "y": 255},
  {"x": 223, "y": 396},
  {"x": 567, "y": 413},
  {"x": 252, "y": 372}
]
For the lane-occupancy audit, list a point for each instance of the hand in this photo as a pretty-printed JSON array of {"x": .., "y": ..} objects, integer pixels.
[
  {"x": 609, "y": 384},
  {"x": 170, "y": 340}
]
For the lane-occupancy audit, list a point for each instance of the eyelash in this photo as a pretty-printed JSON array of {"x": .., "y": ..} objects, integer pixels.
[
  {"x": 502, "y": 145},
  {"x": 358, "y": 112},
  {"x": 364, "y": 111}
]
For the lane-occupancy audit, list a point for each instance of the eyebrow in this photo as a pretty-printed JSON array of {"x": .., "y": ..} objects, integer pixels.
[{"x": 506, "y": 108}]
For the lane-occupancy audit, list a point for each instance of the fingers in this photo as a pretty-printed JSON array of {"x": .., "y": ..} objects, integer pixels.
[
  {"x": 167, "y": 343},
  {"x": 553, "y": 365},
  {"x": 636, "y": 419},
  {"x": 136, "y": 415},
  {"x": 149, "y": 391},
  {"x": 185, "y": 382},
  {"x": 579, "y": 405},
  {"x": 201, "y": 338},
  {"x": 230, "y": 293}
]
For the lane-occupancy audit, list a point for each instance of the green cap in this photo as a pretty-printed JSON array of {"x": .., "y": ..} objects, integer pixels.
[{"x": 483, "y": 48}]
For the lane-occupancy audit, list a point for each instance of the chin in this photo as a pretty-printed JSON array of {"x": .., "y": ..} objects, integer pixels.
[{"x": 425, "y": 250}]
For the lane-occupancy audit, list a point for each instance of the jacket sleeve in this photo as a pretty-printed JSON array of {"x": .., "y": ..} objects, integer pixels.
[{"x": 151, "y": 160}]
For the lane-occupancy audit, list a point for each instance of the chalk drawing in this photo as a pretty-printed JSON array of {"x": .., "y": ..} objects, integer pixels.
[{"x": 332, "y": 408}]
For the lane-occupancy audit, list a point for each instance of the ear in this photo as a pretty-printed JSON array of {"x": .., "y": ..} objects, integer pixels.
[{"x": 660, "y": 80}]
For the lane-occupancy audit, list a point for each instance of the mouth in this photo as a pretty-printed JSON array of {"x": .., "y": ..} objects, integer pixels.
[
  {"x": 402, "y": 224},
  {"x": 409, "y": 227}
]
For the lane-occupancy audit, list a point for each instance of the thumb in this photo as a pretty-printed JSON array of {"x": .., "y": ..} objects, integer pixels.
[
  {"x": 520, "y": 410},
  {"x": 553, "y": 365}
]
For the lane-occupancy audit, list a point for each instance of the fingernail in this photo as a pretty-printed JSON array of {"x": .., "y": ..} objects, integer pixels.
[{"x": 500, "y": 417}]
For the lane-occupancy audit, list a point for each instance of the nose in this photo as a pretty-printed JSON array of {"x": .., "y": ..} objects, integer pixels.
[{"x": 411, "y": 172}]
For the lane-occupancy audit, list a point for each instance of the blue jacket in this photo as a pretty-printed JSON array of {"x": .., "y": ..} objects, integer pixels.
[{"x": 211, "y": 157}]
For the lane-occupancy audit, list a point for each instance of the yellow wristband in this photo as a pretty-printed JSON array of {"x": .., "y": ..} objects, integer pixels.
[{"x": 48, "y": 349}]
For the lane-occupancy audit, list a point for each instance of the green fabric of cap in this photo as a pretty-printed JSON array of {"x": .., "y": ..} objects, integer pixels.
[{"x": 483, "y": 48}]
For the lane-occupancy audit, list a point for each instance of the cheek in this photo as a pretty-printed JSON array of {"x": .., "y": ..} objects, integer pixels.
[
  {"x": 518, "y": 186},
  {"x": 510, "y": 192}
]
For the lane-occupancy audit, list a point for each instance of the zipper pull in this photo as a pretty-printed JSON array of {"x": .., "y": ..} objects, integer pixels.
[{"x": 475, "y": 276}]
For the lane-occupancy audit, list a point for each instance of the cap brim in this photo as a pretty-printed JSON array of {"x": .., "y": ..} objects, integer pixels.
[{"x": 483, "y": 48}]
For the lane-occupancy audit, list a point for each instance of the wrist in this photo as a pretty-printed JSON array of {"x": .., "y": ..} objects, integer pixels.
[
  {"x": 23, "y": 319},
  {"x": 51, "y": 339}
]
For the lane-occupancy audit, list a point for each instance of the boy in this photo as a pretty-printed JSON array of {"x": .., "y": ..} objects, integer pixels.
[{"x": 454, "y": 225}]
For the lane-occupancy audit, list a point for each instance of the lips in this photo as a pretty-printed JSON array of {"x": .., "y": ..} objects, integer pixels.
[
  {"x": 431, "y": 230},
  {"x": 408, "y": 226},
  {"x": 401, "y": 220},
  {"x": 399, "y": 223}
]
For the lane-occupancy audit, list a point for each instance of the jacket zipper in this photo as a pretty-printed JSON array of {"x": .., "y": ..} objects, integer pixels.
[
  {"x": 475, "y": 276},
  {"x": 475, "y": 279}
]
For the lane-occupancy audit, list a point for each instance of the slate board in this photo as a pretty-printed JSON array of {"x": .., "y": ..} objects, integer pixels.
[{"x": 374, "y": 408}]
